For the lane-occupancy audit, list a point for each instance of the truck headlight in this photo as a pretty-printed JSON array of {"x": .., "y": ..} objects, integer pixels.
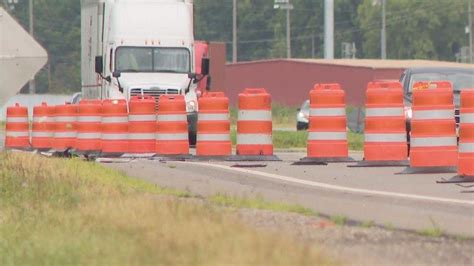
[{"x": 191, "y": 106}]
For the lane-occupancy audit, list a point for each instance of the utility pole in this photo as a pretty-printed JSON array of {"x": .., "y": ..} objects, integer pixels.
[
  {"x": 234, "y": 31},
  {"x": 383, "y": 38},
  {"x": 329, "y": 29},
  {"x": 32, "y": 85},
  {"x": 288, "y": 34},
  {"x": 286, "y": 5},
  {"x": 471, "y": 35}
]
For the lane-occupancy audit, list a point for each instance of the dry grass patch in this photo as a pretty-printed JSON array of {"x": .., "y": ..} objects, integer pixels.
[{"x": 62, "y": 212}]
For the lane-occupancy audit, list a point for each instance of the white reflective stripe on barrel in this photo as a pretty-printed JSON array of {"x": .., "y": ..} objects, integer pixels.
[
  {"x": 65, "y": 119},
  {"x": 213, "y": 117},
  {"x": 65, "y": 134},
  {"x": 114, "y": 119},
  {"x": 89, "y": 119},
  {"x": 114, "y": 136},
  {"x": 17, "y": 119},
  {"x": 89, "y": 135},
  {"x": 16, "y": 134},
  {"x": 466, "y": 147},
  {"x": 171, "y": 137},
  {"x": 467, "y": 118},
  {"x": 389, "y": 111},
  {"x": 389, "y": 137},
  {"x": 213, "y": 137},
  {"x": 170, "y": 118},
  {"x": 43, "y": 119},
  {"x": 255, "y": 115},
  {"x": 254, "y": 139},
  {"x": 433, "y": 114},
  {"x": 327, "y": 136},
  {"x": 142, "y": 136},
  {"x": 433, "y": 141},
  {"x": 327, "y": 111},
  {"x": 42, "y": 134},
  {"x": 141, "y": 118}
]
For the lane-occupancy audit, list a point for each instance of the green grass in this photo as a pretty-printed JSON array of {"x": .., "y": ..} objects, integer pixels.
[
  {"x": 356, "y": 141},
  {"x": 431, "y": 232},
  {"x": 367, "y": 224},
  {"x": 283, "y": 115},
  {"x": 290, "y": 139},
  {"x": 339, "y": 220},
  {"x": 259, "y": 203},
  {"x": 389, "y": 226},
  {"x": 434, "y": 231},
  {"x": 2, "y": 125},
  {"x": 298, "y": 139},
  {"x": 63, "y": 212}
]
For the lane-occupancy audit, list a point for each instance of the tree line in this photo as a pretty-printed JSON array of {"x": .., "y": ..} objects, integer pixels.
[{"x": 416, "y": 29}]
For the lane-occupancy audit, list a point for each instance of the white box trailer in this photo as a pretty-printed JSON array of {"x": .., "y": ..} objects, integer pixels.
[{"x": 139, "y": 47}]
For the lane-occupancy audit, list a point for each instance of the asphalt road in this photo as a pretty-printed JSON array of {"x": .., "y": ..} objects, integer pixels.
[{"x": 412, "y": 202}]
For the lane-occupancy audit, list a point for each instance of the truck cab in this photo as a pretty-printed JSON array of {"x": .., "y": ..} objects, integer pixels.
[{"x": 140, "y": 47}]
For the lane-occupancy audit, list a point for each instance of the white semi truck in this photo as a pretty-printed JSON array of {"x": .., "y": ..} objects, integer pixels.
[{"x": 141, "y": 47}]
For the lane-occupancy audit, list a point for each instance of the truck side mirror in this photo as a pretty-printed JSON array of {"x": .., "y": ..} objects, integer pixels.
[
  {"x": 205, "y": 66},
  {"x": 116, "y": 74},
  {"x": 191, "y": 75},
  {"x": 99, "y": 64}
]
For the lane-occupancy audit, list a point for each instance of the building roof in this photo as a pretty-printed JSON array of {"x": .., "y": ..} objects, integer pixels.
[
  {"x": 369, "y": 63},
  {"x": 378, "y": 63}
]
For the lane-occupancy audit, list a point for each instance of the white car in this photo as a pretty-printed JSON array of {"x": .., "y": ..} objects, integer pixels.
[{"x": 302, "y": 117}]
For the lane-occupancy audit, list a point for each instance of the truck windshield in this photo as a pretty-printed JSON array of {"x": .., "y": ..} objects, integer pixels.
[
  {"x": 152, "y": 59},
  {"x": 459, "y": 80}
]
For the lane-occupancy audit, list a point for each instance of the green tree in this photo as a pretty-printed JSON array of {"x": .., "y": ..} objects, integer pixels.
[{"x": 419, "y": 29}]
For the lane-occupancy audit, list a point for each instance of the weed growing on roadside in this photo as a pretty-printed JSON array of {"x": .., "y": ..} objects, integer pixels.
[
  {"x": 339, "y": 220},
  {"x": 434, "y": 231},
  {"x": 367, "y": 224},
  {"x": 389, "y": 226},
  {"x": 259, "y": 203},
  {"x": 69, "y": 212}
]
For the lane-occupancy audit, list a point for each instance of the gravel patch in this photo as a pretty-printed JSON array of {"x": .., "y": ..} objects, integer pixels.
[{"x": 357, "y": 245}]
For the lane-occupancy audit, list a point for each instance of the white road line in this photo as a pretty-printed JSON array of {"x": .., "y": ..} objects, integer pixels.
[{"x": 335, "y": 187}]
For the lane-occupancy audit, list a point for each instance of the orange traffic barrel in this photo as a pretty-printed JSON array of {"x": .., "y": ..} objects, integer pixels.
[
  {"x": 254, "y": 123},
  {"x": 172, "y": 126},
  {"x": 466, "y": 136},
  {"x": 65, "y": 131},
  {"x": 114, "y": 127},
  {"x": 327, "y": 133},
  {"x": 213, "y": 126},
  {"x": 17, "y": 128},
  {"x": 89, "y": 119},
  {"x": 433, "y": 127},
  {"x": 142, "y": 125},
  {"x": 385, "y": 126},
  {"x": 43, "y": 127}
]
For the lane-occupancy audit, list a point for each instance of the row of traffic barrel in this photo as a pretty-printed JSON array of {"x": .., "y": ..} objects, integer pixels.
[
  {"x": 107, "y": 127},
  {"x": 430, "y": 146},
  {"x": 113, "y": 127}
]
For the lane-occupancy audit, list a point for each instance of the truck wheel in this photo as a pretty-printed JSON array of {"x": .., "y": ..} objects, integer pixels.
[
  {"x": 192, "y": 138},
  {"x": 301, "y": 126}
]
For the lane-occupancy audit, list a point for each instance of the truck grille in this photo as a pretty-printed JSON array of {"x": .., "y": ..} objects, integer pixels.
[{"x": 155, "y": 92}]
